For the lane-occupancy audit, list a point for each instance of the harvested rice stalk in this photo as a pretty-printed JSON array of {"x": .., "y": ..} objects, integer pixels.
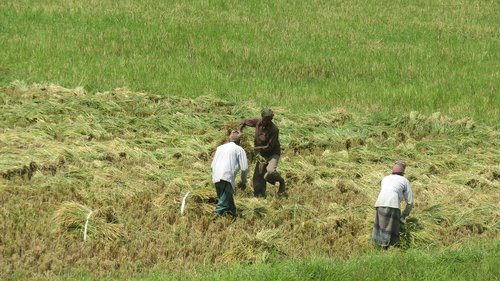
[
  {"x": 202, "y": 195},
  {"x": 256, "y": 248},
  {"x": 71, "y": 217},
  {"x": 251, "y": 208}
]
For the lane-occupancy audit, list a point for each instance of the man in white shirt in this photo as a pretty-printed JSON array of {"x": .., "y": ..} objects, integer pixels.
[
  {"x": 393, "y": 189},
  {"x": 228, "y": 159}
]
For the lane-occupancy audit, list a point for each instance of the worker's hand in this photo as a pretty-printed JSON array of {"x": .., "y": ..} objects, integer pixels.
[
  {"x": 236, "y": 133},
  {"x": 242, "y": 185},
  {"x": 402, "y": 219}
]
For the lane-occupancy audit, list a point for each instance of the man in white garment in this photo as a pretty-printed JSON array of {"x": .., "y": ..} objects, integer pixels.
[
  {"x": 228, "y": 160},
  {"x": 394, "y": 188}
]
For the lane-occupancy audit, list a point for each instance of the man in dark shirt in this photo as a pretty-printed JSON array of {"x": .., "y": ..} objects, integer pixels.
[{"x": 267, "y": 143}]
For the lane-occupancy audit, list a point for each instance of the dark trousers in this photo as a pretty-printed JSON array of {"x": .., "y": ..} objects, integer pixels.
[
  {"x": 225, "y": 199},
  {"x": 265, "y": 172},
  {"x": 259, "y": 183}
]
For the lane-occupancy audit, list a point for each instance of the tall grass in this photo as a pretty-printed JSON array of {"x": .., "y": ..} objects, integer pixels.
[
  {"x": 390, "y": 56},
  {"x": 465, "y": 263}
]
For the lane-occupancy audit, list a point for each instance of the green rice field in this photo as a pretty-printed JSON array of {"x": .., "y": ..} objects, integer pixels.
[{"x": 110, "y": 113}]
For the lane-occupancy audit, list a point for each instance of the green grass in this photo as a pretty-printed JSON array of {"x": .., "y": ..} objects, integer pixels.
[
  {"x": 473, "y": 261},
  {"x": 392, "y": 56},
  {"x": 478, "y": 262}
]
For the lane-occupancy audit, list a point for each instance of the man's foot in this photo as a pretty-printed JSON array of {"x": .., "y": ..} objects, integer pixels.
[
  {"x": 282, "y": 188},
  {"x": 262, "y": 195},
  {"x": 283, "y": 195}
]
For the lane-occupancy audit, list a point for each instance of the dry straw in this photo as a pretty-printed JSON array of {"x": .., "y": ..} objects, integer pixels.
[
  {"x": 134, "y": 156},
  {"x": 73, "y": 218}
]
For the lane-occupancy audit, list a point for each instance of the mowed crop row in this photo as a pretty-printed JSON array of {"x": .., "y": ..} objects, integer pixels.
[{"x": 118, "y": 164}]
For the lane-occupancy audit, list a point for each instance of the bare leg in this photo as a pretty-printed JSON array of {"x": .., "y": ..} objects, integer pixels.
[{"x": 272, "y": 176}]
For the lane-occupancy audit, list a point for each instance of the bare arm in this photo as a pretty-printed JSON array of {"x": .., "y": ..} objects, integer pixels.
[
  {"x": 247, "y": 122},
  {"x": 243, "y": 161},
  {"x": 408, "y": 194}
]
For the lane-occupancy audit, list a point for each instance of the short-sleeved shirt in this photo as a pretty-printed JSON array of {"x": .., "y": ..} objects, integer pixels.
[
  {"x": 228, "y": 159},
  {"x": 393, "y": 189},
  {"x": 265, "y": 134}
]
